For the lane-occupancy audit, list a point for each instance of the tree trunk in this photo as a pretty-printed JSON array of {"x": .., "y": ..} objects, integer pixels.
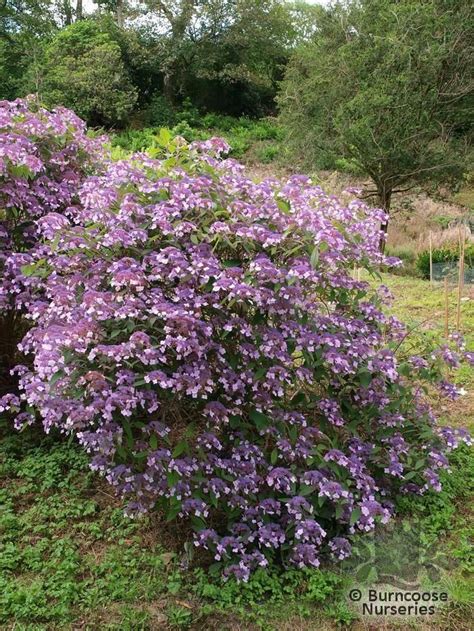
[
  {"x": 119, "y": 13},
  {"x": 168, "y": 86},
  {"x": 385, "y": 198},
  {"x": 79, "y": 10},
  {"x": 67, "y": 12}
]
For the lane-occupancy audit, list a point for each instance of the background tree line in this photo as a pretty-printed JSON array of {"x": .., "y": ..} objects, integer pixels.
[
  {"x": 224, "y": 55},
  {"x": 383, "y": 88}
]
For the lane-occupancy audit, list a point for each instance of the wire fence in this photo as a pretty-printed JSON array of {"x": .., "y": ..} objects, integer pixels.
[{"x": 450, "y": 270}]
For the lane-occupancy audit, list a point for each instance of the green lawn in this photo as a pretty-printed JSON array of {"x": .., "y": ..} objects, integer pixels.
[{"x": 70, "y": 560}]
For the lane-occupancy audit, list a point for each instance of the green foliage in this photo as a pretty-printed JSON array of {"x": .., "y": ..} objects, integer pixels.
[
  {"x": 84, "y": 69},
  {"x": 443, "y": 221},
  {"x": 24, "y": 26},
  {"x": 225, "y": 57},
  {"x": 261, "y": 139},
  {"x": 448, "y": 254},
  {"x": 382, "y": 86},
  {"x": 158, "y": 112}
]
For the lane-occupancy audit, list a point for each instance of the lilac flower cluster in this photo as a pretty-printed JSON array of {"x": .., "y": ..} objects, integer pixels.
[
  {"x": 44, "y": 158},
  {"x": 203, "y": 338}
]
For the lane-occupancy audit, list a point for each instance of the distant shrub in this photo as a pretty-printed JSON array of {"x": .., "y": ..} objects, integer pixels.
[
  {"x": 267, "y": 153},
  {"x": 266, "y": 129},
  {"x": 188, "y": 113},
  {"x": 84, "y": 69},
  {"x": 444, "y": 221},
  {"x": 158, "y": 112},
  {"x": 218, "y": 121},
  {"x": 449, "y": 254}
]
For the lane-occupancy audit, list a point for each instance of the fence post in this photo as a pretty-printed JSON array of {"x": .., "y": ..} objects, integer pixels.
[
  {"x": 446, "y": 308},
  {"x": 462, "y": 243},
  {"x": 431, "y": 260}
]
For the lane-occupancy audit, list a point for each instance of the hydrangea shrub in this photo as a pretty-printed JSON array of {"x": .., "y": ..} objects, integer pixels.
[
  {"x": 203, "y": 337},
  {"x": 44, "y": 158}
]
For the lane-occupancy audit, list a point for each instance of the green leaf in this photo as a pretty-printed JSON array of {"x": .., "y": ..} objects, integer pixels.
[
  {"x": 262, "y": 371},
  {"x": 172, "y": 478},
  {"x": 355, "y": 515},
  {"x": 173, "y": 512},
  {"x": 180, "y": 448},
  {"x": 284, "y": 206},
  {"x": 261, "y": 420},
  {"x": 314, "y": 257},
  {"x": 56, "y": 377},
  {"x": 365, "y": 377}
]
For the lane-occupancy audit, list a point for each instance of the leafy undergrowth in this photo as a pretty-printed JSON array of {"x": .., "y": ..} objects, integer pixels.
[
  {"x": 69, "y": 559},
  {"x": 253, "y": 141}
]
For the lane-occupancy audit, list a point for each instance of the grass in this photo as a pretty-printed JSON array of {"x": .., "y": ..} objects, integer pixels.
[{"x": 70, "y": 560}]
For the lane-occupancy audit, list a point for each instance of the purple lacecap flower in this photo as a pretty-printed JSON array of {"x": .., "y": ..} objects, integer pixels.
[
  {"x": 448, "y": 389},
  {"x": 418, "y": 362},
  {"x": 395, "y": 467},
  {"x": 332, "y": 490},
  {"x": 438, "y": 460},
  {"x": 449, "y": 357},
  {"x": 228, "y": 546},
  {"x": 308, "y": 530},
  {"x": 298, "y": 506},
  {"x": 371, "y": 509},
  {"x": 240, "y": 571},
  {"x": 340, "y": 548},
  {"x": 206, "y": 538},
  {"x": 270, "y": 506},
  {"x": 281, "y": 479},
  {"x": 209, "y": 441},
  {"x": 469, "y": 357},
  {"x": 335, "y": 455},
  {"x": 313, "y": 478},
  {"x": 454, "y": 436},
  {"x": 269, "y": 536},
  {"x": 23, "y": 419},
  {"x": 304, "y": 555},
  {"x": 332, "y": 411},
  {"x": 432, "y": 480},
  {"x": 9, "y": 402}
]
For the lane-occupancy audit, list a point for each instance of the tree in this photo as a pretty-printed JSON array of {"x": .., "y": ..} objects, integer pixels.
[
  {"x": 222, "y": 54},
  {"x": 84, "y": 69},
  {"x": 24, "y": 24},
  {"x": 387, "y": 85},
  {"x": 240, "y": 56}
]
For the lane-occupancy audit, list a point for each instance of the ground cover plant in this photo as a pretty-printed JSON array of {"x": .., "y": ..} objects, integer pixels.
[{"x": 203, "y": 338}]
